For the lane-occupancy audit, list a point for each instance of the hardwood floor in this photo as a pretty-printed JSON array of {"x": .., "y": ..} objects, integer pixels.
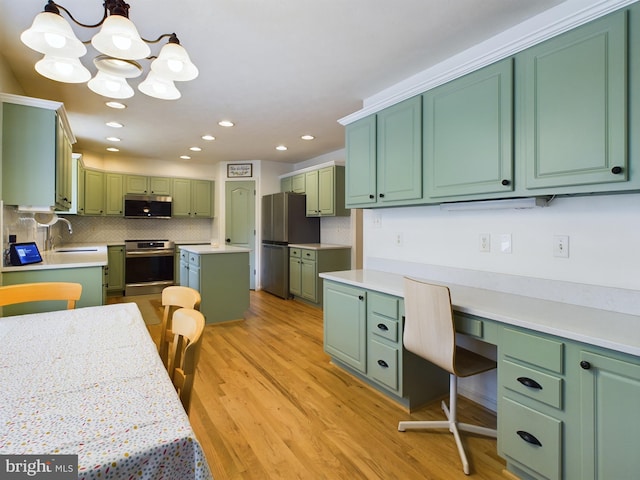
[{"x": 268, "y": 404}]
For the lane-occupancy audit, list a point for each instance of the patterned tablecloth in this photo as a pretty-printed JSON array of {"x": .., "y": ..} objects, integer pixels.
[{"x": 90, "y": 382}]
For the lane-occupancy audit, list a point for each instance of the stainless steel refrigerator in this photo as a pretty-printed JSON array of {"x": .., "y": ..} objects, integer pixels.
[{"x": 284, "y": 221}]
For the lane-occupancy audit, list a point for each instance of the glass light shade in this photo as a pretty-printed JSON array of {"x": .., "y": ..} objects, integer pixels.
[
  {"x": 63, "y": 69},
  {"x": 110, "y": 86},
  {"x": 119, "y": 38},
  {"x": 174, "y": 63},
  {"x": 158, "y": 87},
  {"x": 117, "y": 66},
  {"x": 52, "y": 35}
]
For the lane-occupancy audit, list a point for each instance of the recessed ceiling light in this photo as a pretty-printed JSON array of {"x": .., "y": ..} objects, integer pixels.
[
  {"x": 114, "y": 125},
  {"x": 281, "y": 148},
  {"x": 195, "y": 149},
  {"x": 113, "y": 149},
  {"x": 117, "y": 105},
  {"x": 113, "y": 139},
  {"x": 208, "y": 137},
  {"x": 307, "y": 137},
  {"x": 225, "y": 123},
  {"x": 185, "y": 157}
]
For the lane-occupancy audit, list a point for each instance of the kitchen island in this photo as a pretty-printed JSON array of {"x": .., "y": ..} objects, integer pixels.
[
  {"x": 84, "y": 264},
  {"x": 221, "y": 275}
]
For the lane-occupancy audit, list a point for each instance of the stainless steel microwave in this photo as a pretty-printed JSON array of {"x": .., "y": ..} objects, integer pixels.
[{"x": 147, "y": 206}]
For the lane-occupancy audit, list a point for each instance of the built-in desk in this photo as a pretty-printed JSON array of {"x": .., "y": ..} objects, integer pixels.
[{"x": 568, "y": 376}]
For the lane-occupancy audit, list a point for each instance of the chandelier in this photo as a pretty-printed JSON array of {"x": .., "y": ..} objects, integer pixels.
[{"x": 119, "y": 45}]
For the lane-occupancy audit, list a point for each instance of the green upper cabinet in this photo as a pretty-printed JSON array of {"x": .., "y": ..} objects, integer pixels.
[
  {"x": 298, "y": 183},
  {"x": 360, "y": 145},
  {"x": 114, "y": 198},
  {"x": 325, "y": 192},
  {"x": 93, "y": 197},
  {"x": 141, "y": 184},
  {"x": 399, "y": 152},
  {"x": 384, "y": 157},
  {"x": 468, "y": 131},
  {"x": 286, "y": 184},
  {"x": 192, "y": 198},
  {"x": 312, "y": 192},
  {"x": 573, "y": 111},
  {"x": 23, "y": 120}
]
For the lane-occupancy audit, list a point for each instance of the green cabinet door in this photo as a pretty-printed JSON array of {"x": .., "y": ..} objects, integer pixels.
[
  {"x": 313, "y": 194},
  {"x": 93, "y": 192},
  {"x": 468, "y": 131},
  {"x": 137, "y": 184},
  {"x": 399, "y": 151},
  {"x": 181, "y": 200},
  {"x": 115, "y": 270},
  {"x": 160, "y": 185},
  {"x": 299, "y": 184},
  {"x": 610, "y": 397},
  {"x": 326, "y": 191},
  {"x": 201, "y": 198},
  {"x": 309, "y": 279},
  {"x": 295, "y": 276},
  {"x": 345, "y": 324},
  {"x": 286, "y": 184},
  {"x": 573, "y": 109},
  {"x": 63, "y": 167},
  {"x": 113, "y": 194},
  {"x": 360, "y": 145}
]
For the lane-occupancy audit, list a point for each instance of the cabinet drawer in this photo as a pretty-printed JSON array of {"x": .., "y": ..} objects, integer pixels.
[
  {"x": 533, "y": 349},
  {"x": 384, "y": 327},
  {"x": 194, "y": 259},
  {"x": 383, "y": 364},
  {"x": 308, "y": 254},
  {"x": 532, "y": 383},
  {"x": 469, "y": 325},
  {"x": 184, "y": 256},
  {"x": 385, "y": 305},
  {"x": 519, "y": 421},
  {"x": 295, "y": 252}
]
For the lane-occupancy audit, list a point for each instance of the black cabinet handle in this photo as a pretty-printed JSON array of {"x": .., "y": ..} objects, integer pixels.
[
  {"x": 616, "y": 170},
  {"x": 505, "y": 182},
  {"x": 360, "y": 297},
  {"x": 228, "y": 240},
  {"x": 381, "y": 195},
  {"x": 527, "y": 437},
  {"x": 529, "y": 382},
  {"x": 382, "y": 326},
  {"x": 372, "y": 196},
  {"x": 585, "y": 365},
  {"x": 383, "y": 364}
]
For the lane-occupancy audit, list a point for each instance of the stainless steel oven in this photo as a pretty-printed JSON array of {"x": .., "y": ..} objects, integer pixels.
[{"x": 149, "y": 266}]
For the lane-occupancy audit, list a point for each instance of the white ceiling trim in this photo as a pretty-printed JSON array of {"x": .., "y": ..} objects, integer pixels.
[{"x": 554, "y": 21}]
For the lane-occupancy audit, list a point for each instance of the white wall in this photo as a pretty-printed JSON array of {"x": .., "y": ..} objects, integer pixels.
[{"x": 604, "y": 233}]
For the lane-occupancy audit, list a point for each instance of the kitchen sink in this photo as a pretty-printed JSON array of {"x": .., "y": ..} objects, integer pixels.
[{"x": 74, "y": 250}]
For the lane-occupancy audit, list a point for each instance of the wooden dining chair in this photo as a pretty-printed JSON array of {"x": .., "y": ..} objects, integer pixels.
[
  {"x": 430, "y": 333},
  {"x": 188, "y": 326},
  {"x": 41, "y": 291},
  {"x": 174, "y": 297}
]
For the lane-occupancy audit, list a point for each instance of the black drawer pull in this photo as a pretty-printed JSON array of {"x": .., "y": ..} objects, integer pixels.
[
  {"x": 372, "y": 196},
  {"x": 529, "y": 382},
  {"x": 382, "y": 326},
  {"x": 383, "y": 364},
  {"x": 527, "y": 437},
  {"x": 616, "y": 170},
  {"x": 505, "y": 182},
  {"x": 381, "y": 195},
  {"x": 585, "y": 365},
  {"x": 360, "y": 297}
]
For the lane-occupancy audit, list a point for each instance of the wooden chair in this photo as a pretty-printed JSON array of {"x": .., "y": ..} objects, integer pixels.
[
  {"x": 188, "y": 325},
  {"x": 174, "y": 297},
  {"x": 429, "y": 332},
  {"x": 41, "y": 291}
]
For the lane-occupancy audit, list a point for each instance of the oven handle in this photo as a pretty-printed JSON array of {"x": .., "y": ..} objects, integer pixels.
[{"x": 152, "y": 253}]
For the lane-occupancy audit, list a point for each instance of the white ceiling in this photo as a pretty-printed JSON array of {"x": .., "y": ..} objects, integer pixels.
[{"x": 277, "y": 68}]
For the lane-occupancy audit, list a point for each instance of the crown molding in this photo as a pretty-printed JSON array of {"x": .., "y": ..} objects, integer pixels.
[{"x": 548, "y": 24}]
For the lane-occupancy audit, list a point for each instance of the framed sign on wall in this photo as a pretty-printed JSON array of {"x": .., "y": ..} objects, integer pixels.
[{"x": 239, "y": 170}]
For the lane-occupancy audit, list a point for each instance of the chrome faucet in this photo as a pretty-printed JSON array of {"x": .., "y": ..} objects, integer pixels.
[{"x": 61, "y": 219}]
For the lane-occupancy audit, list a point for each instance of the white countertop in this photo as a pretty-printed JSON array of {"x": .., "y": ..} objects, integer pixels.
[
  {"x": 603, "y": 328},
  {"x": 207, "y": 249},
  {"x": 319, "y": 246},
  {"x": 70, "y": 256}
]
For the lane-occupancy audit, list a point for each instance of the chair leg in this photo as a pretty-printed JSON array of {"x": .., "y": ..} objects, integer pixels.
[{"x": 451, "y": 423}]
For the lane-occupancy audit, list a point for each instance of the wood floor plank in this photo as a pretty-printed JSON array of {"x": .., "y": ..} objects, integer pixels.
[{"x": 269, "y": 404}]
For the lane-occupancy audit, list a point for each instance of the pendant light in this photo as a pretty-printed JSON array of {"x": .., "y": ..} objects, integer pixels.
[
  {"x": 158, "y": 87},
  {"x": 63, "y": 69},
  {"x": 174, "y": 63}
]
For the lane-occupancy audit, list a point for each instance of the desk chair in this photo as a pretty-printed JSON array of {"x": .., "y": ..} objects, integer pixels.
[
  {"x": 429, "y": 332},
  {"x": 41, "y": 291},
  {"x": 188, "y": 325},
  {"x": 174, "y": 297}
]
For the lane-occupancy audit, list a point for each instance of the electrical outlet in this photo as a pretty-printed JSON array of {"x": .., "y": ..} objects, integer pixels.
[
  {"x": 399, "y": 240},
  {"x": 377, "y": 219},
  {"x": 485, "y": 242},
  {"x": 505, "y": 243},
  {"x": 561, "y": 246}
]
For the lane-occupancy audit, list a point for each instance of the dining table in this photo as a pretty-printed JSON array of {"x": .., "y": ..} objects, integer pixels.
[{"x": 89, "y": 382}]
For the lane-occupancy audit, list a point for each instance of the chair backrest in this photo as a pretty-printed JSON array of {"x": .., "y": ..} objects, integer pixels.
[
  {"x": 429, "y": 329},
  {"x": 174, "y": 297},
  {"x": 41, "y": 291},
  {"x": 188, "y": 326}
]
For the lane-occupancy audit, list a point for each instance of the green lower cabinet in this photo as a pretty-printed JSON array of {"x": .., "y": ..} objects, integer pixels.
[
  {"x": 610, "y": 422},
  {"x": 222, "y": 280},
  {"x": 115, "y": 270},
  {"x": 91, "y": 278},
  {"x": 306, "y": 264}
]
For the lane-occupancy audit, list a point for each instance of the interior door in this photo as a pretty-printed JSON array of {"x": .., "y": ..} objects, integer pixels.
[{"x": 240, "y": 220}]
